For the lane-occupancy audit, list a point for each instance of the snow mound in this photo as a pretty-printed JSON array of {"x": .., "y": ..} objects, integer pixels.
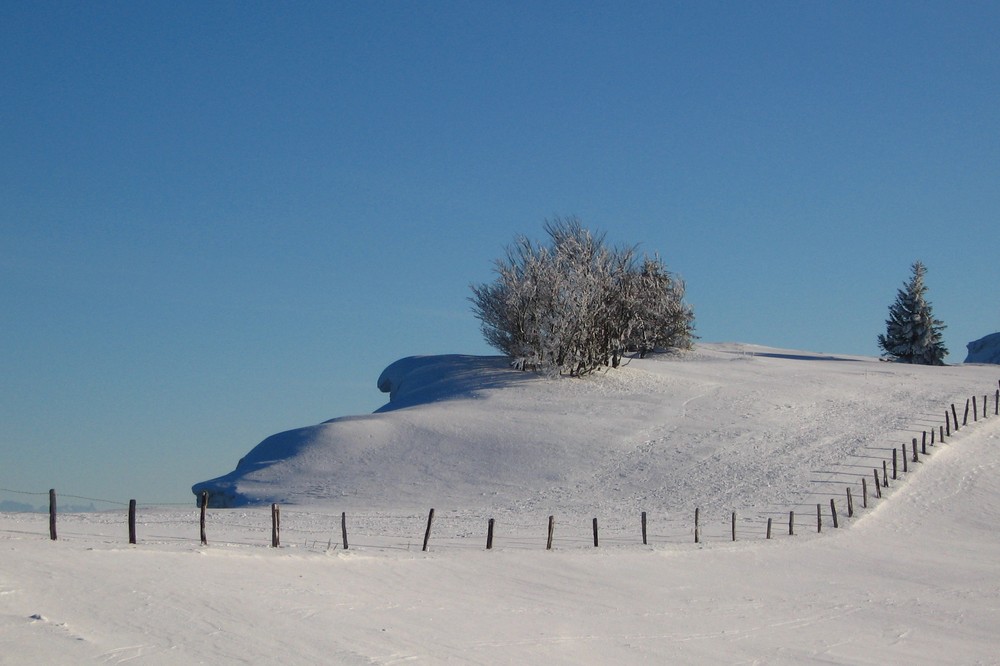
[
  {"x": 722, "y": 427},
  {"x": 984, "y": 350}
]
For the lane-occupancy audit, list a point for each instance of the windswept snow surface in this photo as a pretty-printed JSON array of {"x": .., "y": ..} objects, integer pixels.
[
  {"x": 911, "y": 578},
  {"x": 724, "y": 428}
]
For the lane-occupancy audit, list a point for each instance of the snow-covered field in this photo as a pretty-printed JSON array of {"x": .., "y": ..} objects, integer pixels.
[{"x": 913, "y": 578}]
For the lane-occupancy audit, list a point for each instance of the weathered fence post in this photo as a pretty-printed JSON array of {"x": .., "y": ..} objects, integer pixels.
[
  {"x": 595, "y": 532},
  {"x": 643, "y": 528},
  {"x": 933, "y": 432},
  {"x": 903, "y": 449},
  {"x": 885, "y": 474},
  {"x": 894, "y": 452},
  {"x": 489, "y": 535},
  {"x": 52, "y": 514},
  {"x": 343, "y": 527},
  {"x": 819, "y": 518},
  {"x": 552, "y": 528},
  {"x": 833, "y": 512},
  {"x": 275, "y": 526},
  {"x": 965, "y": 417},
  {"x": 204, "y": 507},
  {"x": 947, "y": 424},
  {"x": 427, "y": 533},
  {"x": 768, "y": 528},
  {"x": 975, "y": 410},
  {"x": 915, "y": 458},
  {"x": 734, "y": 526},
  {"x": 923, "y": 443},
  {"x": 791, "y": 523},
  {"x": 996, "y": 403},
  {"x": 850, "y": 503},
  {"x": 864, "y": 493},
  {"x": 954, "y": 415},
  {"x": 696, "y": 535},
  {"x": 878, "y": 486},
  {"x": 131, "y": 522}
]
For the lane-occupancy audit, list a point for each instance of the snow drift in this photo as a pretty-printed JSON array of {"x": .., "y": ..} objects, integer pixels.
[{"x": 724, "y": 426}]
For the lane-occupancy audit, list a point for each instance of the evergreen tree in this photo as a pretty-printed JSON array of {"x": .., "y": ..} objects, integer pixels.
[{"x": 912, "y": 334}]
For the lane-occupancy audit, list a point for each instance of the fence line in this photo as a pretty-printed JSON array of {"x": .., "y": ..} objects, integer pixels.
[{"x": 456, "y": 529}]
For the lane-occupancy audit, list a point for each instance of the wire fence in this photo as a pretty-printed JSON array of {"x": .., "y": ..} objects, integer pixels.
[{"x": 323, "y": 529}]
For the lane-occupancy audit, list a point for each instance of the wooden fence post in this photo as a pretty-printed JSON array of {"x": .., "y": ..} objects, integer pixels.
[
  {"x": 275, "y": 526},
  {"x": 791, "y": 523},
  {"x": 643, "y": 528},
  {"x": 996, "y": 404},
  {"x": 489, "y": 535},
  {"x": 427, "y": 534},
  {"x": 552, "y": 528},
  {"x": 696, "y": 535},
  {"x": 915, "y": 458},
  {"x": 52, "y": 514},
  {"x": 343, "y": 527},
  {"x": 819, "y": 518},
  {"x": 595, "y": 532},
  {"x": 903, "y": 450},
  {"x": 878, "y": 486},
  {"x": 923, "y": 443},
  {"x": 947, "y": 425},
  {"x": 734, "y": 526},
  {"x": 894, "y": 452},
  {"x": 885, "y": 474},
  {"x": 204, "y": 507},
  {"x": 954, "y": 415},
  {"x": 965, "y": 417},
  {"x": 975, "y": 410},
  {"x": 768, "y": 528},
  {"x": 833, "y": 512},
  {"x": 864, "y": 493},
  {"x": 850, "y": 504},
  {"x": 131, "y": 522}
]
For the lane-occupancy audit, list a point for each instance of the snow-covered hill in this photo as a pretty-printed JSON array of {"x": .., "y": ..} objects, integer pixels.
[
  {"x": 984, "y": 350},
  {"x": 911, "y": 578},
  {"x": 724, "y": 427}
]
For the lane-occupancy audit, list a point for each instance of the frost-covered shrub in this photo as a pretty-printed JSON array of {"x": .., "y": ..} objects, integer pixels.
[{"x": 575, "y": 305}]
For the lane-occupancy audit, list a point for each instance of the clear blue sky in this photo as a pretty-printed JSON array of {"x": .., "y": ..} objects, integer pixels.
[{"x": 223, "y": 220}]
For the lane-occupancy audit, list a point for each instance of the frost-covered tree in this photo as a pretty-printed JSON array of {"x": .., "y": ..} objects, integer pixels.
[
  {"x": 912, "y": 334},
  {"x": 575, "y": 305}
]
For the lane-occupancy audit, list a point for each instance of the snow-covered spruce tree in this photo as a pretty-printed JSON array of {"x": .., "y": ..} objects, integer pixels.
[
  {"x": 575, "y": 305},
  {"x": 912, "y": 333}
]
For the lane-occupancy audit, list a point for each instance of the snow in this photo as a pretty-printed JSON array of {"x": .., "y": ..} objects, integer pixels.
[
  {"x": 910, "y": 579},
  {"x": 984, "y": 350}
]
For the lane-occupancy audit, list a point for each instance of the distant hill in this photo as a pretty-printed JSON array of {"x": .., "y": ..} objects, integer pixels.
[{"x": 984, "y": 350}]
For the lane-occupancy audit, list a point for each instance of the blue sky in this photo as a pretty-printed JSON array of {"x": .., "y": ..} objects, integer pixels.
[{"x": 222, "y": 220}]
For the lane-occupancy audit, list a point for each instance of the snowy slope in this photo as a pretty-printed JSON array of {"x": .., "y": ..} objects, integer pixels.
[
  {"x": 911, "y": 579},
  {"x": 725, "y": 427}
]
